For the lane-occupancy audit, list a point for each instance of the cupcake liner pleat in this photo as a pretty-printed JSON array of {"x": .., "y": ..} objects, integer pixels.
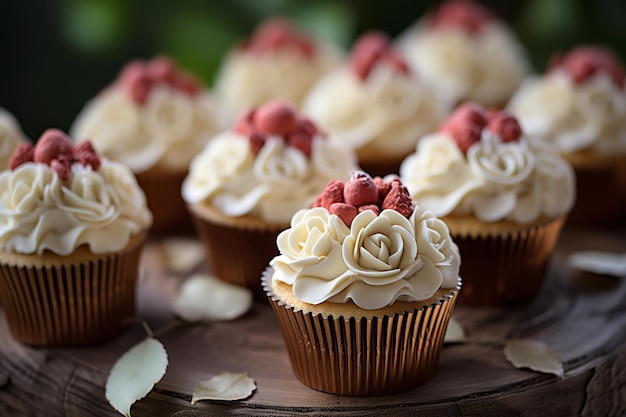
[
  {"x": 164, "y": 199},
  {"x": 508, "y": 268},
  {"x": 363, "y": 356},
  {"x": 600, "y": 193},
  {"x": 70, "y": 304},
  {"x": 238, "y": 255}
]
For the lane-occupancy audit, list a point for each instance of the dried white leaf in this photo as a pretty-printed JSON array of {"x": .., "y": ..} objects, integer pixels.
[
  {"x": 135, "y": 373},
  {"x": 533, "y": 354},
  {"x": 227, "y": 386},
  {"x": 598, "y": 262},
  {"x": 455, "y": 333},
  {"x": 182, "y": 255},
  {"x": 206, "y": 298}
]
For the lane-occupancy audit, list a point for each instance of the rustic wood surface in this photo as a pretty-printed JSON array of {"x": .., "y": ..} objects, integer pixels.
[{"x": 579, "y": 315}]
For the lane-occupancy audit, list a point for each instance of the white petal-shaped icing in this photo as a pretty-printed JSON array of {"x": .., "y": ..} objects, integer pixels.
[
  {"x": 518, "y": 181},
  {"x": 247, "y": 80},
  {"x": 486, "y": 66},
  {"x": 378, "y": 260},
  {"x": 102, "y": 209},
  {"x": 168, "y": 130},
  {"x": 586, "y": 116},
  {"x": 384, "y": 114},
  {"x": 275, "y": 184}
]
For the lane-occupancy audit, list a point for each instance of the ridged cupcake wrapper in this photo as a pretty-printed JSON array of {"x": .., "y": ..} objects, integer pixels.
[
  {"x": 70, "y": 305},
  {"x": 164, "y": 200},
  {"x": 600, "y": 193},
  {"x": 238, "y": 255},
  {"x": 363, "y": 357},
  {"x": 508, "y": 268}
]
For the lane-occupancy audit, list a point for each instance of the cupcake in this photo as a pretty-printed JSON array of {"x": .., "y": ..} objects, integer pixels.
[
  {"x": 243, "y": 188},
  {"x": 363, "y": 289},
  {"x": 466, "y": 52},
  {"x": 11, "y": 136},
  {"x": 580, "y": 106},
  {"x": 154, "y": 119},
  {"x": 277, "y": 63},
  {"x": 71, "y": 232},
  {"x": 376, "y": 104},
  {"x": 503, "y": 195}
]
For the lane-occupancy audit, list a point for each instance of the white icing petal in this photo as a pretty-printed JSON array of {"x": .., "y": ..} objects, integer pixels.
[
  {"x": 247, "y": 80},
  {"x": 379, "y": 260},
  {"x": 168, "y": 129},
  {"x": 590, "y": 115},
  {"x": 275, "y": 184},
  {"x": 485, "y": 67},
  {"x": 386, "y": 108},
  {"x": 102, "y": 209},
  {"x": 517, "y": 181}
]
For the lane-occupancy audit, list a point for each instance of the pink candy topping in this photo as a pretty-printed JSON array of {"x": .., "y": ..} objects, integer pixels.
[
  {"x": 56, "y": 150},
  {"x": 279, "y": 34},
  {"x": 466, "y": 124},
  {"x": 363, "y": 192},
  {"x": 138, "y": 78},
  {"x": 465, "y": 14},
  {"x": 583, "y": 62},
  {"x": 277, "y": 118},
  {"x": 373, "y": 48}
]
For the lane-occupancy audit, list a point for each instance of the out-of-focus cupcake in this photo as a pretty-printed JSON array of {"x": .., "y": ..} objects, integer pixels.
[
  {"x": 277, "y": 63},
  {"x": 11, "y": 136},
  {"x": 376, "y": 104},
  {"x": 71, "y": 232},
  {"x": 243, "y": 188},
  {"x": 466, "y": 52},
  {"x": 154, "y": 118},
  {"x": 363, "y": 289},
  {"x": 503, "y": 195},
  {"x": 580, "y": 106}
]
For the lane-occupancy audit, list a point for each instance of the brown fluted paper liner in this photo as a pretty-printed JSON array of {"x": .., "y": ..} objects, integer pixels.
[
  {"x": 238, "y": 249},
  {"x": 600, "y": 189},
  {"x": 507, "y": 267},
  {"x": 380, "y": 355},
  {"x": 163, "y": 197},
  {"x": 81, "y": 299}
]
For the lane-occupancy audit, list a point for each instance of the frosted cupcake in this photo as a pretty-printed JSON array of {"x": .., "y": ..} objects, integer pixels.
[
  {"x": 243, "y": 188},
  {"x": 580, "y": 106},
  {"x": 376, "y": 104},
  {"x": 154, "y": 119},
  {"x": 71, "y": 232},
  {"x": 11, "y": 136},
  {"x": 466, "y": 52},
  {"x": 503, "y": 195},
  {"x": 363, "y": 289},
  {"x": 277, "y": 63}
]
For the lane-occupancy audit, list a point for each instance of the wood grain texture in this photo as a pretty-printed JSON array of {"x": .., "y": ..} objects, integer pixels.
[{"x": 579, "y": 315}]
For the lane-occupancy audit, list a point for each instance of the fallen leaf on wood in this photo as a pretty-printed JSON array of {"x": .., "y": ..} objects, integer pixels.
[
  {"x": 135, "y": 373},
  {"x": 533, "y": 354},
  {"x": 206, "y": 298},
  {"x": 227, "y": 386}
]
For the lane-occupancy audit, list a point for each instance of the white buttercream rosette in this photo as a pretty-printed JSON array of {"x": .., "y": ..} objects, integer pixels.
[
  {"x": 378, "y": 260},
  {"x": 38, "y": 211},
  {"x": 586, "y": 116},
  {"x": 169, "y": 129}
]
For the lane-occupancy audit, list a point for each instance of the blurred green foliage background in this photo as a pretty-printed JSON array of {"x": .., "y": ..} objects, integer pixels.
[{"x": 56, "y": 54}]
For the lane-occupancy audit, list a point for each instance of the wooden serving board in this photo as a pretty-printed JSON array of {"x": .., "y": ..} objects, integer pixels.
[{"x": 581, "y": 316}]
